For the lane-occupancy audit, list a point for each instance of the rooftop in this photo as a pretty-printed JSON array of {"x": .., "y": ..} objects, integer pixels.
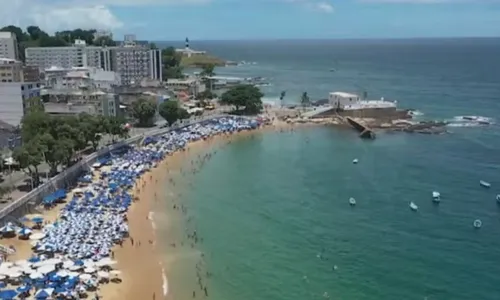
[{"x": 344, "y": 95}]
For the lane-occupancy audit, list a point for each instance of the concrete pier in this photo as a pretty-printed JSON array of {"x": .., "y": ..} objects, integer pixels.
[{"x": 364, "y": 131}]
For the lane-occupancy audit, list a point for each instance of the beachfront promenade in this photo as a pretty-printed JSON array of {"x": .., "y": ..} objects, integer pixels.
[{"x": 19, "y": 207}]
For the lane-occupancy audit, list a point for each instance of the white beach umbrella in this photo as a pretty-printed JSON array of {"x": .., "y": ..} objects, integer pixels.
[
  {"x": 85, "y": 277},
  {"x": 73, "y": 274},
  {"x": 28, "y": 271},
  {"x": 37, "y": 236},
  {"x": 103, "y": 274},
  {"x": 2, "y": 277},
  {"x": 75, "y": 268},
  {"x": 15, "y": 274},
  {"x": 63, "y": 273},
  {"x": 22, "y": 263},
  {"x": 47, "y": 269},
  {"x": 115, "y": 273},
  {"x": 89, "y": 270},
  {"x": 36, "y": 275},
  {"x": 6, "y": 264},
  {"x": 68, "y": 263},
  {"x": 105, "y": 262}
]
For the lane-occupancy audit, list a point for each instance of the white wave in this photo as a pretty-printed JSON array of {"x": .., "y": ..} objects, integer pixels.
[
  {"x": 470, "y": 121},
  {"x": 271, "y": 101},
  {"x": 464, "y": 125},
  {"x": 415, "y": 113},
  {"x": 165, "y": 282}
]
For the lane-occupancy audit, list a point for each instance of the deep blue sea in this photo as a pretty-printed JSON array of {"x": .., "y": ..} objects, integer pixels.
[{"x": 273, "y": 210}]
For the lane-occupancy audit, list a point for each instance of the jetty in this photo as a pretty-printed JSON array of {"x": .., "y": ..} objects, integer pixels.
[{"x": 364, "y": 131}]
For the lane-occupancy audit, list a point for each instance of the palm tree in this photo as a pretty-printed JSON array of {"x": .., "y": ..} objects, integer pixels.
[
  {"x": 207, "y": 71},
  {"x": 304, "y": 100},
  {"x": 282, "y": 98}
]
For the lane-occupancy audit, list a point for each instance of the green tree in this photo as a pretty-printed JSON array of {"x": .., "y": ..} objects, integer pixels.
[
  {"x": 243, "y": 96},
  {"x": 153, "y": 46},
  {"x": 35, "y": 32},
  {"x": 207, "y": 71},
  {"x": 171, "y": 63},
  {"x": 30, "y": 156},
  {"x": 304, "y": 100},
  {"x": 169, "y": 110},
  {"x": 143, "y": 110},
  {"x": 116, "y": 127},
  {"x": 104, "y": 41}
]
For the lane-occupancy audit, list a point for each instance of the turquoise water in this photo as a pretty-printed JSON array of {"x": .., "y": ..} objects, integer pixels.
[
  {"x": 273, "y": 211},
  {"x": 267, "y": 207}
]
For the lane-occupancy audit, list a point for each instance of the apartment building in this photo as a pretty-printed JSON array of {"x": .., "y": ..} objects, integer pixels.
[
  {"x": 132, "y": 62},
  {"x": 15, "y": 96},
  {"x": 78, "y": 55},
  {"x": 8, "y": 45},
  {"x": 11, "y": 70}
]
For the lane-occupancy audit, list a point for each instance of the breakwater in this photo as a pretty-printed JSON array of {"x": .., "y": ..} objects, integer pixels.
[{"x": 27, "y": 203}]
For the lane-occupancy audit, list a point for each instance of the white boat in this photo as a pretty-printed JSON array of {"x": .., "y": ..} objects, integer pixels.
[
  {"x": 413, "y": 206},
  {"x": 484, "y": 184},
  {"x": 352, "y": 201},
  {"x": 498, "y": 198},
  {"x": 355, "y": 161},
  {"x": 477, "y": 223},
  {"x": 436, "y": 196}
]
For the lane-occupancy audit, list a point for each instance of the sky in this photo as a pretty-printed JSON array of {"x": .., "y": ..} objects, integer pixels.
[{"x": 169, "y": 20}]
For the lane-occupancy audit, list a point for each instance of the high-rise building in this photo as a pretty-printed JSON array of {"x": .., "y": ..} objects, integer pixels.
[
  {"x": 11, "y": 70},
  {"x": 8, "y": 45},
  {"x": 78, "y": 55},
  {"x": 131, "y": 61}
]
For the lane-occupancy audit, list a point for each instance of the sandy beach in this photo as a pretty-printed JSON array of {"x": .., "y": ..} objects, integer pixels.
[{"x": 157, "y": 237}]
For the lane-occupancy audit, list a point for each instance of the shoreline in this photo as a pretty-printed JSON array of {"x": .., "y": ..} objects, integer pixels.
[{"x": 144, "y": 256}]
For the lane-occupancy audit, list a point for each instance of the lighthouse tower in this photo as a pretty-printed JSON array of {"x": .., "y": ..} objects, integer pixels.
[{"x": 187, "y": 44}]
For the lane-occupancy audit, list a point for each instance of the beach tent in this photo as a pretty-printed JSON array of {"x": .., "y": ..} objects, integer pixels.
[
  {"x": 7, "y": 229},
  {"x": 24, "y": 231}
]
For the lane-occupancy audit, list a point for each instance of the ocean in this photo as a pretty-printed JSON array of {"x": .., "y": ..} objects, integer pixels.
[{"x": 273, "y": 210}]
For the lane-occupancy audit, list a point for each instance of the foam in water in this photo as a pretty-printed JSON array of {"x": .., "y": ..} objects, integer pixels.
[{"x": 470, "y": 121}]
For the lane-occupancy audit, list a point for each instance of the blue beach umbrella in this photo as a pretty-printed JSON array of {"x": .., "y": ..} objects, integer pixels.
[
  {"x": 8, "y": 294},
  {"x": 37, "y": 220}
]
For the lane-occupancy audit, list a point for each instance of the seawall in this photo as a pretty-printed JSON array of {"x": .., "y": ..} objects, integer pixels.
[{"x": 28, "y": 203}]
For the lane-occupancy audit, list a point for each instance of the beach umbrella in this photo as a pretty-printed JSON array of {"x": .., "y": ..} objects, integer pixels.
[
  {"x": 85, "y": 277},
  {"x": 115, "y": 273},
  {"x": 22, "y": 263},
  {"x": 8, "y": 294},
  {"x": 36, "y": 275},
  {"x": 37, "y": 236},
  {"x": 24, "y": 231},
  {"x": 23, "y": 288},
  {"x": 7, "y": 228},
  {"x": 37, "y": 220},
  {"x": 44, "y": 293},
  {"x": 46, "y": 269},
  {"x": 89, "y": 270},
  {"x": 14, "y": 274},
  {"x": 103, "y": 274},
  {"x": 2, "y": 277}
]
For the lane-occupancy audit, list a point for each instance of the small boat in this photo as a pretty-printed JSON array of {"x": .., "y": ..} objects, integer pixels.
[
  {"x": 477, "y": 223},
  {"x": 352, "y": 201},
  {"x": 436, "y": 196},
  {"x": 355, "y": 161},
  {"x": 413, "y": 206},
  {"x": 498, "y": 198},
  {"x": 484, "y": 184}
]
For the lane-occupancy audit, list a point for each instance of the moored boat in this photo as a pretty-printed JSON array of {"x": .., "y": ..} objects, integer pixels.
[
  {"x": 352, "y": 201},
  {"x": 436, "y": 197},
  {"x": 484, "y": 184},
  {"x": 355, "y": 161},
  {"x": 413, "y": 206},
  {"x": 477, "y": 223}
]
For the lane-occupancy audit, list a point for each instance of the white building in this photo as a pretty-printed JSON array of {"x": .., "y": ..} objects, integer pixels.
[
  {"x": 8, "y": 45},
  {"x": 81, "y": 78},
  {"x": 348, "y": 101},
  {"x": 78, "y": 55},
  {"x": 133, "y": 63},
  {"x": 341, "y": 99},
  {"x": 13, "y": 96}
]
